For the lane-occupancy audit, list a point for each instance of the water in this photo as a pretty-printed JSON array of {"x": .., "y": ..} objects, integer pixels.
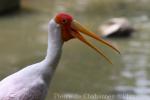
[
  {"x": 81, "y": 74},
  {"x": 136, "y": 63}
]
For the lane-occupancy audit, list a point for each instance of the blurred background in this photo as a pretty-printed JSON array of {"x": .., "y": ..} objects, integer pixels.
[{"x": 81, "y": 72}]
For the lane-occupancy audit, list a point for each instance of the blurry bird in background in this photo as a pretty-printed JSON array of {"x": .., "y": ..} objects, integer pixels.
[
  {"x": 116, "y": 27},
  {"x": 32, "y": 82}
]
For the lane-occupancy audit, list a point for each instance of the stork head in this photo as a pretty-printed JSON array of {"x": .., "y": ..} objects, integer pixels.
[{"x": 70, "y": 29}]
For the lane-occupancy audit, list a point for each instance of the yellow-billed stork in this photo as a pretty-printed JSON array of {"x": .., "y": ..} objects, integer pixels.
[{"x": 32, "y": 82}]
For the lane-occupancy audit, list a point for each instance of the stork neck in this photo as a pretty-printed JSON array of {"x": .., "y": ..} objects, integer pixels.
[{"x": 54, "y": 44}]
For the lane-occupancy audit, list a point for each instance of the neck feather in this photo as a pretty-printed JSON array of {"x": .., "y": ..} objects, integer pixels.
[{"x": 54, "y": 44}]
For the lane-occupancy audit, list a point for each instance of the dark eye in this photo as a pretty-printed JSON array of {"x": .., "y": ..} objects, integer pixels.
[{"x": 64, "y": 21}]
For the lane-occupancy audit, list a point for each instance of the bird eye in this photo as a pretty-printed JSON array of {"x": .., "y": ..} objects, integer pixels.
[{"x": 64, "y": 21}]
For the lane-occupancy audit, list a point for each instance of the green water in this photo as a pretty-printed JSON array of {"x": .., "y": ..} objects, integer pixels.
[{"x": 81, "y": 74}]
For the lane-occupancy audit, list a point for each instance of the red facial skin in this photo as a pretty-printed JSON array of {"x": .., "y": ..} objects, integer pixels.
[
  {"x": 64, "y": 20},
  {"x": 71, "y": 29}
]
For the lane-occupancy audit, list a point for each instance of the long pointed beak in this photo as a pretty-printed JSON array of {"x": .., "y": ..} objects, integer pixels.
[{"x": 77, "y": 27}]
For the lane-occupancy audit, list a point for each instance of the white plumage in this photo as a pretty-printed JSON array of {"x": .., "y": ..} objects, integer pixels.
[{"x": 31, "y": 83}]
